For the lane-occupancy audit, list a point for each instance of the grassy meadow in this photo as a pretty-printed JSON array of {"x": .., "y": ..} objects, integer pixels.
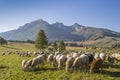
[{"x": 10, "y": 66}]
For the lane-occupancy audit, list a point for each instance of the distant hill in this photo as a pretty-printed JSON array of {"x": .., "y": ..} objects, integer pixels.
[
  {"x": 58, "y": 31},
  {"x": 103, "y": 42}
]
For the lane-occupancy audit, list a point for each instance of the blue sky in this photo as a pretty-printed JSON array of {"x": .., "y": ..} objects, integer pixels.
[{"x": 94, "y": 13}]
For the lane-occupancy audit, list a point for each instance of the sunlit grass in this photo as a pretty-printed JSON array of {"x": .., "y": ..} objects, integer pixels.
[{"x": 10, "y": 67}]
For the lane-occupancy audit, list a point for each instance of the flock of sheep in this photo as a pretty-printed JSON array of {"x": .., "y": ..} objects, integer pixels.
[{"x": 87, "y": 61}]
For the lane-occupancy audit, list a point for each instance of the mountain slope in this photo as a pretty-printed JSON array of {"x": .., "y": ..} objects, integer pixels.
[{"x": 58, "y": 31}]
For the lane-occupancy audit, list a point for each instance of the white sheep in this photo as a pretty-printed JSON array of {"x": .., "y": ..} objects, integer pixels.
[
  {"x": 81, "y": 61},
  {"x": 75, "y": 55},
  {"x": 38, "y": 60},
  {"x": 96, "y": 56},
  {"x": 69, "y": 63},
  {"x": 50, "y": 58},
  {"x": 55, "y": 58},
  {"x": 102, "y": 56},
  {"x": 23, "y": 63},
  {"x": 116, "y": 56},
  {"x": 61, "y": 61},
  {"x": 27, "y": 65}
]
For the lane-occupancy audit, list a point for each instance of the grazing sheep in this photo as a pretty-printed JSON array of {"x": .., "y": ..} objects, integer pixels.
[
  {"x": 116, "y": 56},
  {"x": 27, "y": 65},
  {"x": 110, "y": 60},
  {"x": 102, "y": 56},
  {"x": 38, "y": 60},
  {"x": 90, "y": 53},
  {"x": 69, "y": 63},
  {"x": 56, "y": 53},
  {"x": 50, "y": 58},
  {"x": 57, "y": 56},
  {"x": 28, "y": 54},
  {"x": 23, "y": 63},
  {"x": 96, "y": 64},
  {"x": 80, "y": 62},
  {"x": 3, "y": 53},
  {"x": 22, "y": 54},
  {"x": 96, "y": 56},
  {"x": 68, "y": 55},
  {"x": 75, "y": 55},
  {"x": 61, "y": 61},
  {"x": 36, "y": 53},
  {"x": 91, "y": 56},
  {"x": 55, "y": 59},
  {"x": 9, "y": 52}
]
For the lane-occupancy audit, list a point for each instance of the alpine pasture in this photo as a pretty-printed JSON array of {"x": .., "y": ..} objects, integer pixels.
[{"x": 10, "y": 65}]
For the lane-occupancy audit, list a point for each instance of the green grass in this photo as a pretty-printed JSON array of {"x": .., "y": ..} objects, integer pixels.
[{"x": 10, "y": 67}]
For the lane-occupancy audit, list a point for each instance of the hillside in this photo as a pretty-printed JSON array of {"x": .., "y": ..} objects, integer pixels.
[
  {"x": 103, "y": 42},
  {"x": 58, "y": 31}
]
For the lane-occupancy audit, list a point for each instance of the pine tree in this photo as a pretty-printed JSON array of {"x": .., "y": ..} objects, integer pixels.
[
  {"x": 61, "y": 46},
  {"x": 41, "y": 40},
  {"x": 54, "y": 45},
  {"x": 3, "y": 41}
]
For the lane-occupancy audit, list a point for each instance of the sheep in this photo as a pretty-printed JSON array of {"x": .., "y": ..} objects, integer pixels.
[
  {"x": 75, "y": 55},
  {"x": 69, "y": 63},
  {"x": 96, "y": 56},
  {"x": 22, "y": 54},
  {"x": 3, "y": 53},
  {"x": 96, "y": 64},
  {"x": 81, "y": 61},
  {"x": 90, "y": 55},
  {"x": 61, "y": 60},
  {"x": 38, "y": 60},
  {"x": 102, "y": 56},
  {"x": 55, "y": 59},
  {"x": 28, "y": 54},
  {"x": 9, "y": 52},
  {"x": 116, "y": 56},
  {"x": 56, "y": 53},
  {"x": 50, "y": 58},
  {"x": 110, "y": 60},
  {"x": 23, "y": 63},
  {"x": 27, "y": 65},
  {"x": 68, "y": 55}
]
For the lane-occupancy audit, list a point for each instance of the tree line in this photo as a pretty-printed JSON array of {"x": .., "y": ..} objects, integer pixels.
[{"x": 42, "y": 42}]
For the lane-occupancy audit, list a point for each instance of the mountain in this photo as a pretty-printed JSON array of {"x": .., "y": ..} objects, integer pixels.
[{"x": 58, "y": 31}]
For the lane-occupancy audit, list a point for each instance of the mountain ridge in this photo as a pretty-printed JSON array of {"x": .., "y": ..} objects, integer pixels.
[{"x": 58, "y": 31}]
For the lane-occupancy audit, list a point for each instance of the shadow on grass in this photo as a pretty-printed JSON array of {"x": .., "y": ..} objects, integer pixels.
[
  {"x": 111, "y": 73},
  {"x": 11, "y": 47},
  {"x": 41, "y": 70},
  {"x": 2, "y": 67},
  {"x": 45, "y": 69},
  {"x": 114, "y": 66}
]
